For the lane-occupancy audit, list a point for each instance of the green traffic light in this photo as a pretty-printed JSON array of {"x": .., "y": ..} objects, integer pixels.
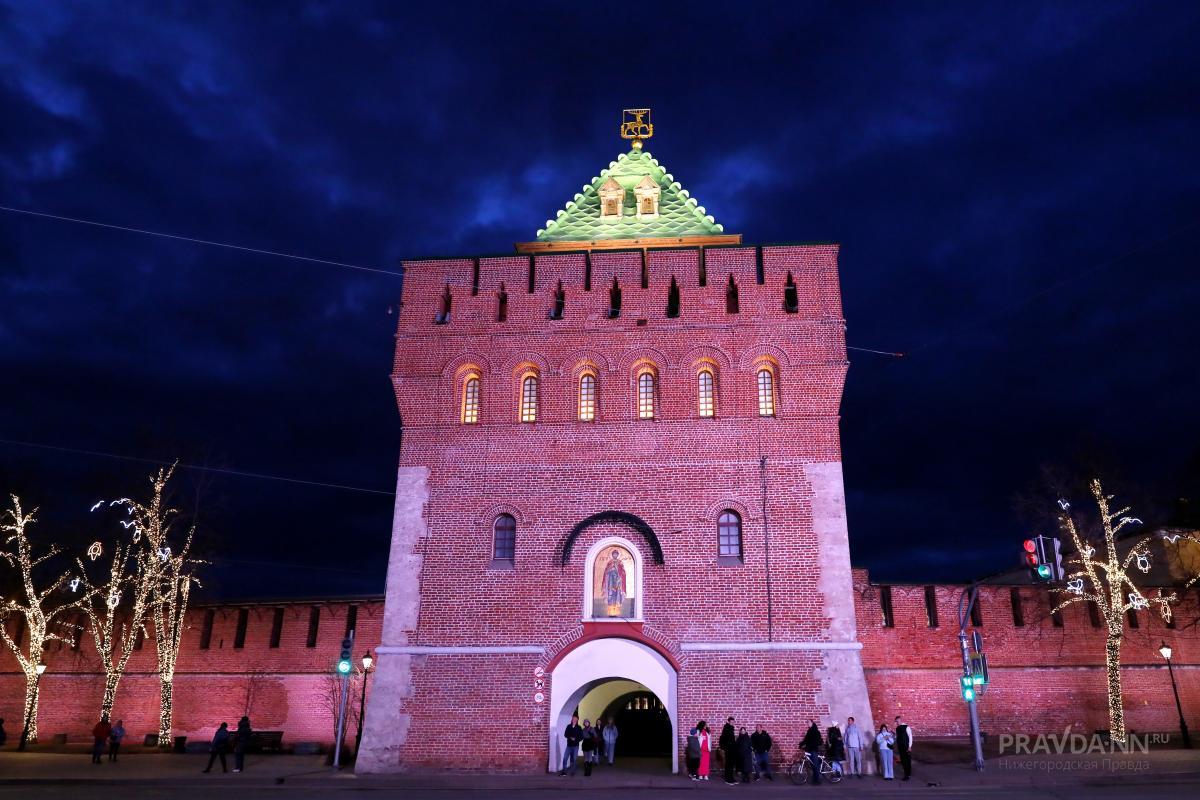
[
  {"x": 1043, "y": 571},
  {"x": 968, "y": 695},
  {"x": 344, "y": 667}
]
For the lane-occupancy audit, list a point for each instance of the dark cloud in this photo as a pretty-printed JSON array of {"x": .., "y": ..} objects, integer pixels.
[{"x": 1012, "y": 188}]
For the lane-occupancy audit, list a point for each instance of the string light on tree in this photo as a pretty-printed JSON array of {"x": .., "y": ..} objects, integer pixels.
[
  {"x": 35, "y": 601},
  {"x": 1107, "y": 583}
]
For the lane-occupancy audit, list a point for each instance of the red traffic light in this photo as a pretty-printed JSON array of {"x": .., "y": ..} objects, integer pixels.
[
  {"x": 1031, "y": 559},
  {"x": 1030, "y": 546}
]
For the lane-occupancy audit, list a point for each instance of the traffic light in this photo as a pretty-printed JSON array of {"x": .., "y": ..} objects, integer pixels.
[
  {"x": 968, "y": 688},
  {"x": 1040, "y": 554},
  {"x": 344, "y": 663}
]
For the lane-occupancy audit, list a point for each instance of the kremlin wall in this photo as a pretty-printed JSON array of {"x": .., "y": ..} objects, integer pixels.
[{"x": 1044, "y": 677}]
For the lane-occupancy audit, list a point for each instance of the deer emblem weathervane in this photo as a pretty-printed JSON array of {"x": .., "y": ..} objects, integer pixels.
[{"x": 635, "y": 125}]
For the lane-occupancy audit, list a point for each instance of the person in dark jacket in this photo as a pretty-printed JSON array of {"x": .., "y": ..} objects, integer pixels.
[
  {"x": 745, "y": 755},
  {"x": 812, "y": 746},
  {"x": 590, "y": 742},
  {"x": 574, "y": 735},
  {"x": 728, "y": 745},
  {"x": 3, "y": 735},
  {"x": 692, "y": 753},
  {"x": 219, "y": 747},
  {"x": 836, "y": 752},
  {"x": 100, "y": 735},
  {"x": 115, "y": 737},
  {"x": 760, "y": 740},
  {"x": 904, "y": 740},
  {"x": 244, "y": 734}
]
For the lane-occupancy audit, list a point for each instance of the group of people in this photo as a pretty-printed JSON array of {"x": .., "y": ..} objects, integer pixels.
[
  {"x": 844, "y": 749},
  {"x": 220, "y": 746},
  {"x": 596, "y": 741},
  {"x": 107, "y": 735},
  {"x": 743, "y": 754}
]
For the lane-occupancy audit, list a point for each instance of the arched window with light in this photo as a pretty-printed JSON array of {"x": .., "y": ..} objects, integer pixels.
[
  {"x": 766, "y": 392},
  {"x": 645, "y": 389},
  {"x": 504, "y": 539},
  {"x": 529, "y": 398},
  {"x": 729, "y": 536},
  {"x": 587, "y": 397},
  {"x": 705, "y": 396},
  {"x": 470, "y": 400}
]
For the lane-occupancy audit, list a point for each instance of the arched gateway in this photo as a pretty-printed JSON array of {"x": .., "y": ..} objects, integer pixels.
[{"x": 598, "y": 662}]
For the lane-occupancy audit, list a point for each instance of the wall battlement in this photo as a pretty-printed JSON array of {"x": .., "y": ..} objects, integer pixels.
[{"x": 798, "y": 282}]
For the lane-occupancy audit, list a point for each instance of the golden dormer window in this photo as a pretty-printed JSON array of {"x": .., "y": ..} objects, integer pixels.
[
  {"x": 647, "y": 193},
  {"x": 612, "y": 199}
]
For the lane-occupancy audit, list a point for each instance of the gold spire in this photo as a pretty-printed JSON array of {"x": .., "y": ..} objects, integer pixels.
[{"x": 635, "y": 125}]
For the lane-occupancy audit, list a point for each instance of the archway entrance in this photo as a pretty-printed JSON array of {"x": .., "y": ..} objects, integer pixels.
[{"x": 625, "y": 679}]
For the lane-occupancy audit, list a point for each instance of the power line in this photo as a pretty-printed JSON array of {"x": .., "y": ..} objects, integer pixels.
[
  {"x": 198, "y": 241},
  {"x": 197, "y": 467},
  {"x": 876, "y": 352}
]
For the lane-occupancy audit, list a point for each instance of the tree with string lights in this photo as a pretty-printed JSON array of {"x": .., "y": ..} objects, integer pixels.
[
  {"x": 39, "y": 605},
  {"x": 1100, "y": 575},
  {"x": 173, "y": 576}
]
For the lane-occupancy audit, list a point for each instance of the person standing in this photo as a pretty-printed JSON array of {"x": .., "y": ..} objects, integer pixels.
[
  {"x": 836, "y": 748},
  {"x": 884, "y": 740},
  {"x": 691, "y": 754},
  {"x": 114, "y": 739},
  {"x": 609, "y": 734},
  {"x": 573, "y": 735},
  {"x": 219, "y": 747},
  {"x": 761, "y": 742},
  {"x": 904, "y": 741},
  {"x": 590, "y": 741},
  {"x": 812, "y": 746},
  {"x": 100, "y": 735},
  {"x": 854, "y": 746},
  {"x": 705, "y": 737},
  {"x": 3, "y": 735},
  {"x": 728, "y": 745},
  {"x": 244, "y": 734},
  {"x": 745, "y": 755}
]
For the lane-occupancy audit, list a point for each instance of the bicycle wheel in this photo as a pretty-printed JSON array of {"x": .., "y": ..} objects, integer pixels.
[{"x": 798, "y": 771}]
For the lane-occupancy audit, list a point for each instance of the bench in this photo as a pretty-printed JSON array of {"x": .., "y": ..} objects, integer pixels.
[{"x": 260, "y": 742}]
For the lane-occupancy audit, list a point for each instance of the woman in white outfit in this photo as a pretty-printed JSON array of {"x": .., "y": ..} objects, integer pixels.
[{"x": 884, "y": 740}]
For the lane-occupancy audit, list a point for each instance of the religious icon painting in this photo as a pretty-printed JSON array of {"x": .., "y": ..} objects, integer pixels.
[{"x": 614, "y": 584}]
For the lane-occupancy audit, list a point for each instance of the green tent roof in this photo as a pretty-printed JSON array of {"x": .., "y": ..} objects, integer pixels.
[{"x": 678, "y": 213}]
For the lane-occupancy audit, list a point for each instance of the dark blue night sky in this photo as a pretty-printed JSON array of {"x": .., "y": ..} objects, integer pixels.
[{"x": 1015, "y": 187}]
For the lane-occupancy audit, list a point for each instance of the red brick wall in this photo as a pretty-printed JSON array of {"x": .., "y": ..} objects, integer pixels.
[
  {"x": 284, "y": 688},
  {"x": 1043, "y": 678}
]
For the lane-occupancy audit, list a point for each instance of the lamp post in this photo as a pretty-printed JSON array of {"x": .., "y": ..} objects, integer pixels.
[
  {"x": 40, "y": 668},
  {"x": 1165, "y": 652},
  {"x": 367, "y": 661}
]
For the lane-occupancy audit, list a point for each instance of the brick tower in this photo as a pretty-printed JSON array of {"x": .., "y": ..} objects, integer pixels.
[{"x": 620, "y": 489}]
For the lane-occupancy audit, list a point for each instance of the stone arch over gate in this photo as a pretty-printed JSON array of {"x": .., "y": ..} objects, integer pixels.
[{"x": 631, "y": 520}]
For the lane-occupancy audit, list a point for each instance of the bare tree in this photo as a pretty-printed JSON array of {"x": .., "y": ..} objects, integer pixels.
[
  {"x": 33, "y": 605},
  {"x": 1106, "y": 581}
]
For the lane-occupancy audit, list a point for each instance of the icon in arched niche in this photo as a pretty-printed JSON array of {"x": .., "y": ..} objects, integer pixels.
[{"x": 614, "y": 584}]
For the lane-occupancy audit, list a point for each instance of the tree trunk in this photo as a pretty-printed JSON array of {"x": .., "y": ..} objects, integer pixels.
[
  {"x": 110, "y": 695},
  {"x": 31, "y": 708},
  {"x": 164, "y": 712},
  {"x": 1116, "y": 709}
]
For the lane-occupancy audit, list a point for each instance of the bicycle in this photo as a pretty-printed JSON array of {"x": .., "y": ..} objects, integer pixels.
[{"x": 801, "y": 768}]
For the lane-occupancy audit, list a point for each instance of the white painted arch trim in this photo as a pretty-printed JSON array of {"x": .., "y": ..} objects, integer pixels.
[
  {"x": 597, "y": 662},
  {"x": 433, "y": 650},
  {"x": 740, "y": 646},
  {"x": 589, "y": 565}
]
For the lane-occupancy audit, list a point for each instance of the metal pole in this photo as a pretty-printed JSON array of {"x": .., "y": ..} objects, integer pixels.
[
  {"x": 963, "y": 616},
  {"x": 1187, "y": 740},
  {"x": 341, "y": 722},
  {"x": 362, "y": 705}
]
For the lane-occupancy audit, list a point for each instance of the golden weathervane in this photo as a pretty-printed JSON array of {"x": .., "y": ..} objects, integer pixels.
[{"x": 635, "y": 125}]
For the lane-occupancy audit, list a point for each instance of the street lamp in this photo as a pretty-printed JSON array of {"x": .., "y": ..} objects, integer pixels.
[
  {"x": 1165, "y": 651},
  {"x": 39, "y": 669},
  {"x": 367, "y": 661}
]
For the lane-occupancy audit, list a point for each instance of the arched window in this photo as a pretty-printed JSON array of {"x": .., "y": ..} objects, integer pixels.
[
  {"x": 766, "y": 392},
  {"x": 504, "y": 538},
  {"x": 529, "y": 393},
  {"x": 704, "y": 393},
  {"x": 646, "y": 395},
  {"x": 470, "y": 400},
  {"x": 587, "y": 397},
  {"x": 729, "y": 535}
]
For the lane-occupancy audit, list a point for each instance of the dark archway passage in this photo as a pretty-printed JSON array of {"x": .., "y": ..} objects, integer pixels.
[{"x": 644, "y": 724}]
